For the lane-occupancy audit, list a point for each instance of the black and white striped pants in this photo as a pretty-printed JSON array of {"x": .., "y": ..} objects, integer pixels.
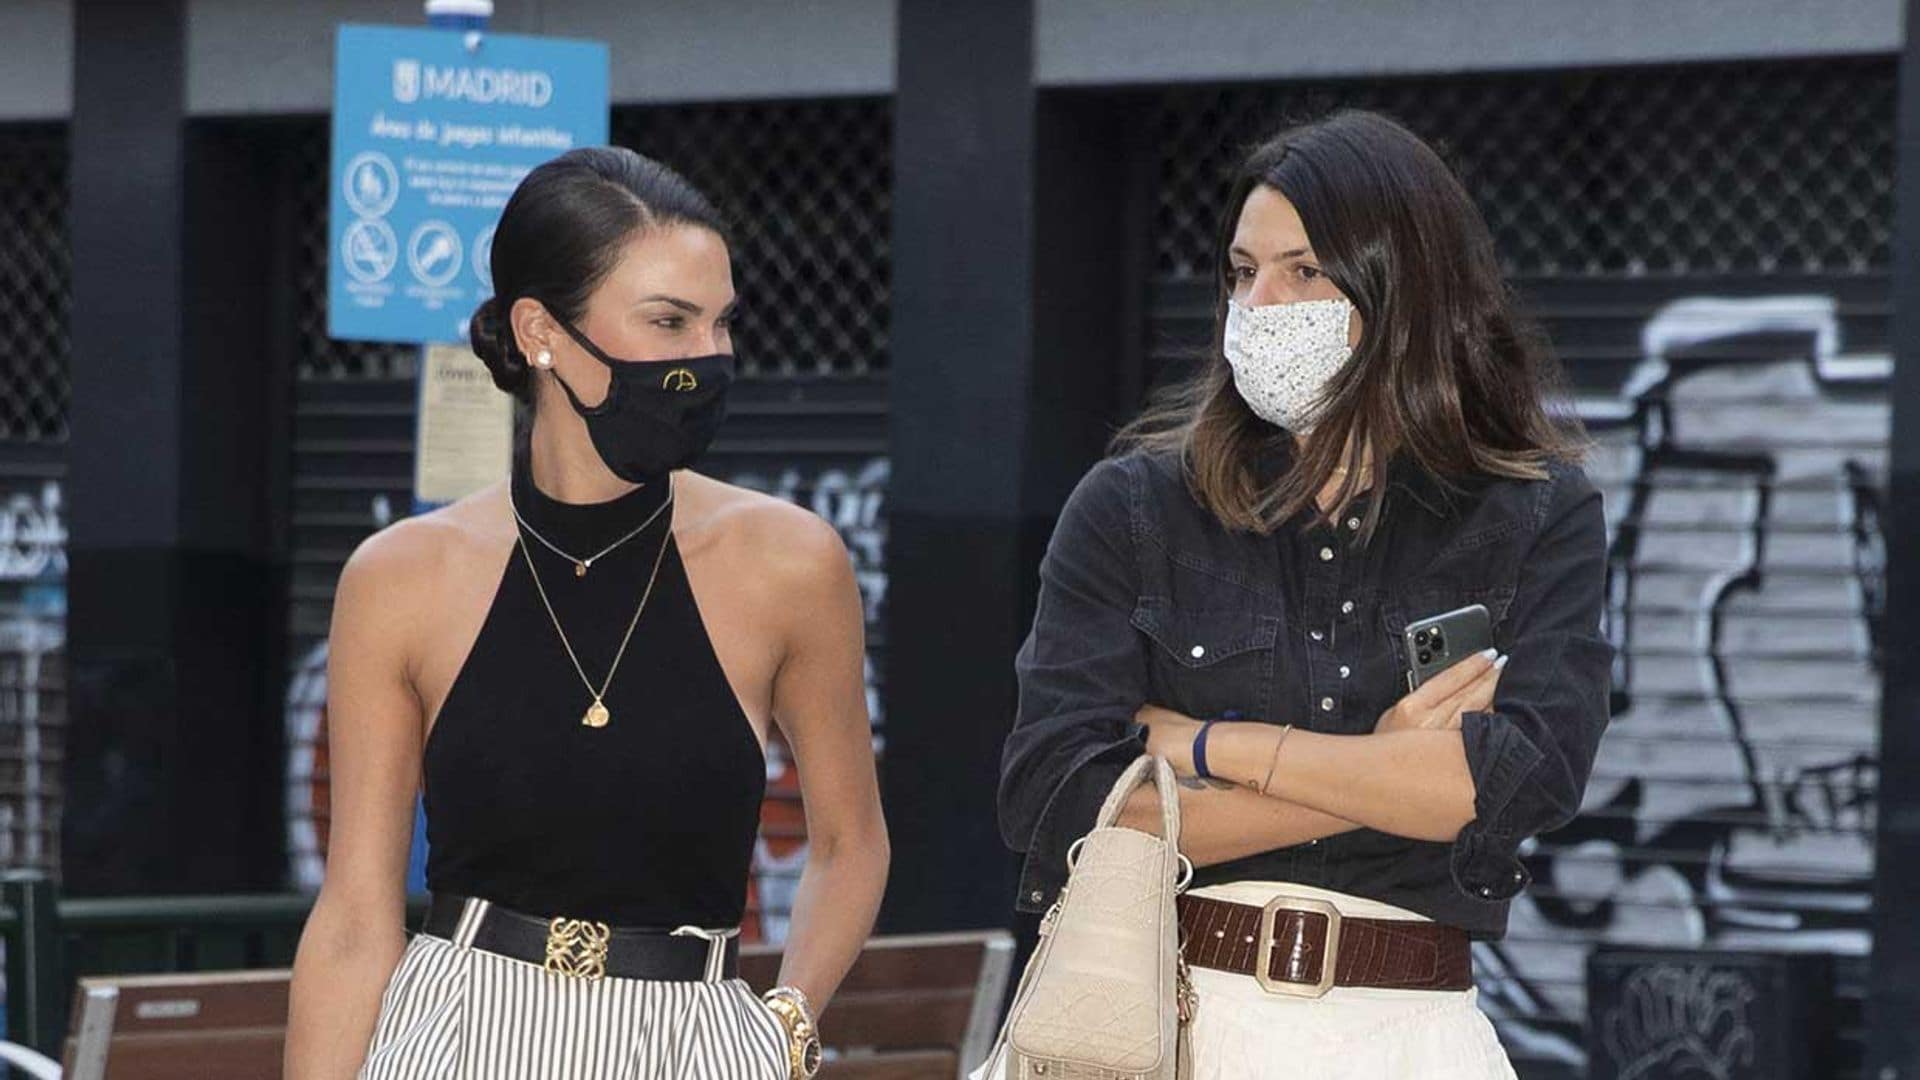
[{"x": 456, "y": 1013}]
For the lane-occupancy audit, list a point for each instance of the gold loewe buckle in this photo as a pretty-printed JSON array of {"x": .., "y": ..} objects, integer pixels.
[
  {"x": 578, "y": 948},
  {"x": 1263, "y": 954},
  {"x": 680, "y": 379}
]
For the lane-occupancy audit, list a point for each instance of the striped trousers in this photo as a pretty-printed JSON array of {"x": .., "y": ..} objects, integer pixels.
[{"x": 455, "y": 1013}]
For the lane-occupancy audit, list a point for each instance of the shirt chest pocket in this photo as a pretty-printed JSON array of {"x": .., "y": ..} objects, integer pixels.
[{"x": 1208, "y": 662}]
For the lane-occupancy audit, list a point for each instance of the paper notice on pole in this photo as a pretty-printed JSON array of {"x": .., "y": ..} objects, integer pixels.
[{"x": 466, "y": 427}]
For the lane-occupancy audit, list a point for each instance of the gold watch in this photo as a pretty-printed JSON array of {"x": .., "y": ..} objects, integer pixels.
[{"x": 795, "y": 1012}]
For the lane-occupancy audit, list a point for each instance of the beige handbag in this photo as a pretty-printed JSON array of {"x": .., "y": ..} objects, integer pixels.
[{"x": 1106, "y": 995}]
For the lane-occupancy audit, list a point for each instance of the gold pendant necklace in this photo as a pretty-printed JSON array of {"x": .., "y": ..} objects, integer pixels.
[
  {"x": 581, "y": 565},
  {"x": 597, "y": 714}
]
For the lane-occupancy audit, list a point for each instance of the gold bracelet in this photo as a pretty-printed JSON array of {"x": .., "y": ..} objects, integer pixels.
[
  {"x": 1285, "y": 729},
  {"x": 795, "y": 1013}
]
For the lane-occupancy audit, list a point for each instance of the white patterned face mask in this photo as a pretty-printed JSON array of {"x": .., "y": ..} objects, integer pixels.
[{"x": 1283, "y": 356}]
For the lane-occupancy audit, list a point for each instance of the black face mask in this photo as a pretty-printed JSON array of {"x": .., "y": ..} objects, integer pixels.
[{"x": 658, "y": 415}]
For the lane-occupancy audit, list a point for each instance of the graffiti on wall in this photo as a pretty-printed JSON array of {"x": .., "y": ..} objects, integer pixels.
[
  {"x": 33, "y": 571},
  {"x": 853, "y": 500},
  {"x": 1732, "y": 800},
  {"x": 33, "y": 535}
]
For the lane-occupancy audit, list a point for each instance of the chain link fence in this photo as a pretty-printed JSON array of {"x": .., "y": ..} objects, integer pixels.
[
  {"x": 1776, "y": 168},
  {"x": 805, "y": 185},
  {"x": 35, "y": 272}
]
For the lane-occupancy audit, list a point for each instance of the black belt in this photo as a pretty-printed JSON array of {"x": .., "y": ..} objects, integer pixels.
[{"x": 583, "y": 948}]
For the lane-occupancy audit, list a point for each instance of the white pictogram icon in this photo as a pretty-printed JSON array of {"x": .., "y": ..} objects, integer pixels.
[
  {"x": 369, "y": 250},
  {"x": 433, "y": 252},
  {"x": 370, "y": 184}
]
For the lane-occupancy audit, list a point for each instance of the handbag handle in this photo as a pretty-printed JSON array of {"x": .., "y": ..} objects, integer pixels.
[{"x": 1144, "y": 768}]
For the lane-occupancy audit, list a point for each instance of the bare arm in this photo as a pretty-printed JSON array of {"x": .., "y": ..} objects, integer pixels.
[
  {"x": 1409, "y": 778},
  {"x": 820, "y": 702},
  {"x": 1408, "y": 783},
  {"x": 354, "y": 936},
  {"x": 1220, "y": 822}
]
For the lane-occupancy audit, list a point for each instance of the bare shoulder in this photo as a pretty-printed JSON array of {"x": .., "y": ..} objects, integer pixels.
[
  {"x": 403, "y": 566},
  {"x": 787, "y": 546}
]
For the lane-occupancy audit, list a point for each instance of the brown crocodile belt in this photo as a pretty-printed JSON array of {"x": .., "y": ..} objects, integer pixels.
[{"x": 1304, "y": 947}]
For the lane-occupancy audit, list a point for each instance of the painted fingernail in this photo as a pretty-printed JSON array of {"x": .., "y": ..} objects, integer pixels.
[
  {"x": 1501, "y": 663},
  {"x": 1489, "y": 654}
]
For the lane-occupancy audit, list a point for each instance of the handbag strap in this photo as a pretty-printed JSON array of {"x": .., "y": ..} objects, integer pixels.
[{"x": 1145, "y": 768}]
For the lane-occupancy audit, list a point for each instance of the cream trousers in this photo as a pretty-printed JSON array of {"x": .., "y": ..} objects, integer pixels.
[{"x": 1243, "y": 1033}]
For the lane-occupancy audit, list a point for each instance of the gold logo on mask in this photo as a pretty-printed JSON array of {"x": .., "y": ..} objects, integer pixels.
[{"x": 680, "y": 379}]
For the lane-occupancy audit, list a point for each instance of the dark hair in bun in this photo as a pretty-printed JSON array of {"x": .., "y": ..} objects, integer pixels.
[
  {"x": 560, "y": 235},
  {"x": 492, "y": 341}
]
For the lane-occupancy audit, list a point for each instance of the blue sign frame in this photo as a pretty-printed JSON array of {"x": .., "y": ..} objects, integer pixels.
[{"x": 432, "y": 130}]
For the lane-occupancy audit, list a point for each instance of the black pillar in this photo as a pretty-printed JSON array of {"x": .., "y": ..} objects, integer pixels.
[
  {"x": 1894, "y": 993},
  {"x": 1010, "y": 337},
  {"x": 172, "y": 773}
]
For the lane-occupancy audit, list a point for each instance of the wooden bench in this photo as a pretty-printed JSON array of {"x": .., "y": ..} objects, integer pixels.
[
  {"x": 912, "y": 1007},
  {"x": 202, "y": 1026}
]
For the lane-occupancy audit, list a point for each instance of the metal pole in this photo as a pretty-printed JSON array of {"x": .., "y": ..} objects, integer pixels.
[
  {"x": 472, "y": 16},
  {"x": 36, "y": 1007}
]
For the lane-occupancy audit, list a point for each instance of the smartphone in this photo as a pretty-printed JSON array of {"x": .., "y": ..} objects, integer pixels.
[{"x": 1438, "y": 642}]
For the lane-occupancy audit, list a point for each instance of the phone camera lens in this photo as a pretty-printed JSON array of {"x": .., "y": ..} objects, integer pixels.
[
  {"x": 1439, "y": 643},
  {"x": 1420, "y": 637},
  {"x": 1426, "y": 657}
]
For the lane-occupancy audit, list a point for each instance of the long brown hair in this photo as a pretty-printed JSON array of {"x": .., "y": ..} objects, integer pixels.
[{"x": 1445, "y": 373}]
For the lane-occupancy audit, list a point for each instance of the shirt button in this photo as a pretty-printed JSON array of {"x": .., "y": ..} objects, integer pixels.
[
  {"x": 1353, "y": 523},
  {"x": 1316, "y": 635},
  {"x": 1326, "y": 554},
  {"x": 1313, "y": 843},
  {"x": 1326, "y": 704},
  {"x": 1199, "y": 651},
  {"x": 1486, "y": 890},
  {"x": 1035, "y": 895},
  {"x": 1345, "y": 671},
  {"x": 1346, "y": 608}
]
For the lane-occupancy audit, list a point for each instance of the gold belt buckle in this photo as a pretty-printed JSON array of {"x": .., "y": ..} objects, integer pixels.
[
  {"x": 578, "y": 948},
  {"x": 1263, "y": 954}
]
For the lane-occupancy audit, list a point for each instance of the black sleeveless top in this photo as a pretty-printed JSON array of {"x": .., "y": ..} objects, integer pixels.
[{"x": 649, "y": 821}]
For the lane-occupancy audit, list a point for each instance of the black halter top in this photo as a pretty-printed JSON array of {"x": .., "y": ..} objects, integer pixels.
[{"x": 649, "y": 821}]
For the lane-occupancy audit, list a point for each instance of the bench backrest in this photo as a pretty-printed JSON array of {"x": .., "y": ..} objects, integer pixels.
[
  {"x": 179, "y": 1027},
  {"x": 912, "y": 1006}
]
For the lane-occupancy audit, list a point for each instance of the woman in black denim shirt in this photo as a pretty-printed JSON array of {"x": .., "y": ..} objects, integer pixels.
[{"x": 1368, "y": 444}]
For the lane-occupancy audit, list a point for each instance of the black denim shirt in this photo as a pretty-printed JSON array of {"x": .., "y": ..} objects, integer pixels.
[{"x": 1145, "y": 598}]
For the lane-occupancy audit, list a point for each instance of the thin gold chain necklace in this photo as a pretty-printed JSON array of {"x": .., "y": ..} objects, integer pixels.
[
  {"x": 597, "y": 715},
  {"x": 580, "y": 565}
]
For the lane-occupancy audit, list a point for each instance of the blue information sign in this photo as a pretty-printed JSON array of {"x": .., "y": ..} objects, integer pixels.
[{"x": 429, "y": 138}]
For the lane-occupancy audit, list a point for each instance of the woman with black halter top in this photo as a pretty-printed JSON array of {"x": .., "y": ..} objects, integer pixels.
[{"x": 582, "y": 664}]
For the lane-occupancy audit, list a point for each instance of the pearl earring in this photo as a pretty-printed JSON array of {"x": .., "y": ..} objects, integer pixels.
[{"x": 543, "y": 359}]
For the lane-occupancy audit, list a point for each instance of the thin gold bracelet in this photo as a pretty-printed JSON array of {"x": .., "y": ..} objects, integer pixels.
[{"x": 1285, "y": 729}]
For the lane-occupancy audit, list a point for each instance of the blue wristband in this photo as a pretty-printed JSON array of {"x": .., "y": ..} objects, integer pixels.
[{"x": 1200, "y": 751}]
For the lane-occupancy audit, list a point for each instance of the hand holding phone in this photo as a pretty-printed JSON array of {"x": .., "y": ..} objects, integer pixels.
[
  {"x": 1452, "y": 668},
  {"x": 1438, "y": 642}
]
